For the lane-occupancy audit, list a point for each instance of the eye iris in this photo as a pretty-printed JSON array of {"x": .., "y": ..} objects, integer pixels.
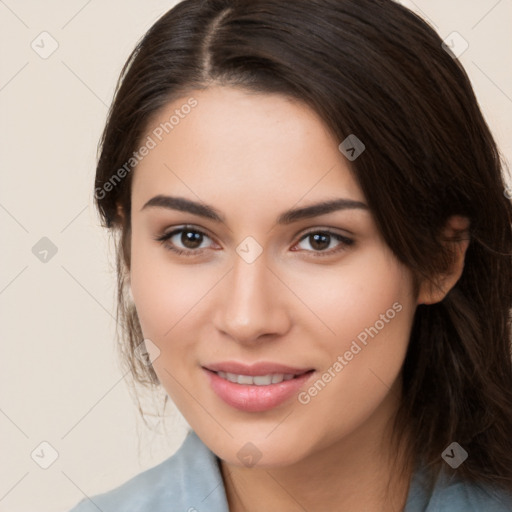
[
  {"x": 190, "y": 238},
  {"x": 320, "y": 241}
]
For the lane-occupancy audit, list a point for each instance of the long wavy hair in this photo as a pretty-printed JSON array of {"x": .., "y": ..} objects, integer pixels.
[{"x": 375, "y": 69}]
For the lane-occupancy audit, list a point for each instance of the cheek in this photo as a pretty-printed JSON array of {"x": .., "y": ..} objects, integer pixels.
[
  {"x": 371, "y": 315},
  {"x": 349, "y": 298},
  {"x": 170, "y": 300},
  {"x": 167, "y": 299},
  {"x": 163, "y": 293}
]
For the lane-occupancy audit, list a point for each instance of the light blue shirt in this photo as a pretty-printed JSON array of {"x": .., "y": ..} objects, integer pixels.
[{"x": 191, "y": 481}]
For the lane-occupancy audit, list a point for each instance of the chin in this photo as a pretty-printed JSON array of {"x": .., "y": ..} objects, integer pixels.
[{"x": 254, "y": 447}]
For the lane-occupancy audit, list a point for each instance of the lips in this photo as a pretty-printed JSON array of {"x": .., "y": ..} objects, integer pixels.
[{"x": 258, "y": 387}]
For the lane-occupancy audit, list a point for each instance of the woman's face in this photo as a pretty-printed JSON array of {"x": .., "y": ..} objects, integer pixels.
[{"x": 276, "y": 288}]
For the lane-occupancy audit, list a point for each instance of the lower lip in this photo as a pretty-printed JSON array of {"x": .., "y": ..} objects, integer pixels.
[{"x": 252, "y": 398}]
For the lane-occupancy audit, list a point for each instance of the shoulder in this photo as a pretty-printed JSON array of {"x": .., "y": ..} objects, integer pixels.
[
  {"x": 188, "y": 480},
  {"x": 467, "y": 497},
  {"x": 452, "y": 494}
]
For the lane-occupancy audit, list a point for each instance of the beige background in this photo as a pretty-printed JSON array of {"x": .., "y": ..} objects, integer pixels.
[{"x": 59, "y": 378}]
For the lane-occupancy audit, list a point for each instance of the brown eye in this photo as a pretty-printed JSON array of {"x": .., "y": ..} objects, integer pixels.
[
  {"x": 320, "y": 241},
  {"x": 191, "y": 239},
  {"x": 185, "y": 241}
]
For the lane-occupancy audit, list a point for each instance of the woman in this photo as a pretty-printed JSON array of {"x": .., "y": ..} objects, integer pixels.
[{"x": 315, "y": 246}]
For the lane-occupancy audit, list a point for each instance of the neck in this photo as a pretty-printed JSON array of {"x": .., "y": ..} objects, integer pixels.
[{"x": 356, "y": 473}]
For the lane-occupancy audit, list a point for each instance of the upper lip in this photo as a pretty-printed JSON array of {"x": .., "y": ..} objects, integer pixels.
[{"x": 261, "y": 368}]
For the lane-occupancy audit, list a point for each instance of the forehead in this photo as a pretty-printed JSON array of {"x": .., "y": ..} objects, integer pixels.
[{"x": 255, "y": 148}]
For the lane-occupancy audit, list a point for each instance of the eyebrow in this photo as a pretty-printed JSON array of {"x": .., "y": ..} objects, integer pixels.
[{"x": 287, "y": 217}]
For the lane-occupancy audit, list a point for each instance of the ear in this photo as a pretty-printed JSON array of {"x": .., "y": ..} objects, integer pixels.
[
  {"x": 125, "y": 242},
  {"x": 120, "y": 211},
  {"x": 456, "y": 234}
]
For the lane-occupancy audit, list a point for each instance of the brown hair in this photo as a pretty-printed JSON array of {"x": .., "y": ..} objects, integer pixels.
[{"x": 374, "y": 69}]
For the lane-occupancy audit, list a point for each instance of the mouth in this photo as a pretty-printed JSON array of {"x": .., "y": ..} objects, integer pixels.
[{"x": 256, "y": 388}]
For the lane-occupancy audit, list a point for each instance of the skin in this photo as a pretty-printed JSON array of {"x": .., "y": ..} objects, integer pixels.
[{"x": 253, "y": 156}]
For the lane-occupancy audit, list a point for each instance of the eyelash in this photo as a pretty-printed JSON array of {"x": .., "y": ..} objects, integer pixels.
[{"x": 164, "y": 238}]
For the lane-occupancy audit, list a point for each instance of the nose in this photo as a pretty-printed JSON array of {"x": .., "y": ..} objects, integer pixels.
[{"x": 253, "y": 305}]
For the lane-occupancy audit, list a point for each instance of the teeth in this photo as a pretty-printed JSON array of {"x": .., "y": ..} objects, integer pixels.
[
  {"x": 244, "y": 379},
  {"x": 277, "y": 377},
  {"x": 260, "y": 380}
]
